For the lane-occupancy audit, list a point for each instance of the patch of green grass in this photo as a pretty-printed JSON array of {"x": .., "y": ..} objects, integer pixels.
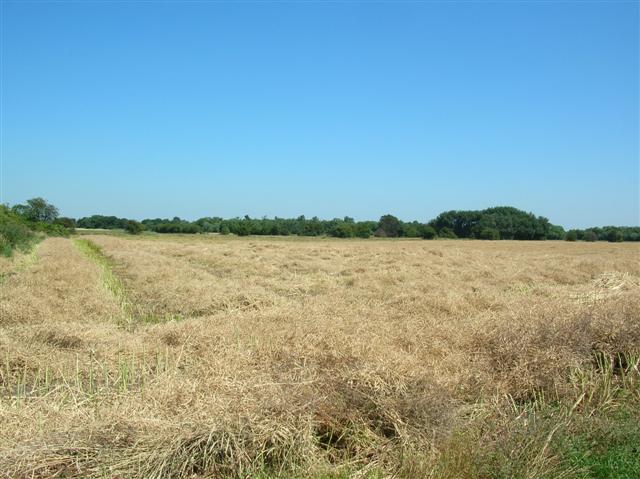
[
  {"x": 593, "y": 433},
  {"x": 110, "y": 281},
  {"x": 607, "y": 447}
]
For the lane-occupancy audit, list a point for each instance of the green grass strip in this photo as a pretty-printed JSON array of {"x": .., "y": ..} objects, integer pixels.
[
  {"x": 110, "y": 281},
  {"x": 114, "y": 285}
]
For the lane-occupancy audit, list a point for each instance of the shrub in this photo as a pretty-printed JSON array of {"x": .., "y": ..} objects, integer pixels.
[
  {"x": 411, "y": 230},
  {"x": 343, "y": 230},
  {"x": 555, "y": 232},
  {"x": 615, "y": 236},
  {"x": 489, "y": 234},
  {"x": 447, "y": 232},
  {"x": 243, "y": 228},
  {"x": 429, "y": 232},
  {"x": 14, "y": 236},
  {"x": 572, "y": 235},
  {"x": 590, "y": 236},
  {"x": 14, "y": 232},
  {"x": 68, "y": 223},
  {"x": 50, "y": 228},
  {"x": 362, "y": 230},
  {"x": 388, "y": 226},
  {"x": 134, "y": 227}
]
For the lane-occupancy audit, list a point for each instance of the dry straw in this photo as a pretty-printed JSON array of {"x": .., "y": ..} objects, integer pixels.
[{"x": 209, "y": 356}]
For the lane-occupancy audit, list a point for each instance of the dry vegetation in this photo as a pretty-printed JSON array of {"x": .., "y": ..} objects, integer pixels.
[{"x": 214, "y": 356}]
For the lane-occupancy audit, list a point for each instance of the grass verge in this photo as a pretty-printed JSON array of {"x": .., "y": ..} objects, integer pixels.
[{"x": 110, "y": 281}]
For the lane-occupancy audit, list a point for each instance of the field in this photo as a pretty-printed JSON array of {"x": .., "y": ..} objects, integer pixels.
[{"x": 213, "y": 356}]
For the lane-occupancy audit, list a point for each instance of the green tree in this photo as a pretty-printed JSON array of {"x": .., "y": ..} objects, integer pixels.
[
  {"x": 555, "y": 232},
  {"x": 68, "y": 223},
  {"x": 411, "y": 230},
  {"x": 133, "y": 227},
  {"x": 389, "y": 226},
  {"x": 572, "y": 235},
  {"x": 362, "y": 230},
  {"x": 615, "y": 236},
  {"x": 244, "y": 227},
  {"x": 429, "y": 232},
  {"x": 590, "y": 236},
  {"x": 447, "y": 232},
  {"x": 343, "y": 229},
  {"x": 37, "y": 209},
  {"x": 489, "y": 234}
]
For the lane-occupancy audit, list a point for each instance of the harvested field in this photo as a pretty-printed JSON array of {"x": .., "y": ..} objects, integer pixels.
[{"x": 213, "y": 356}]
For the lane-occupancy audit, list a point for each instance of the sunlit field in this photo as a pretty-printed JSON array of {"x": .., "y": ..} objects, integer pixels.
[{"x": 215, "y": 356}]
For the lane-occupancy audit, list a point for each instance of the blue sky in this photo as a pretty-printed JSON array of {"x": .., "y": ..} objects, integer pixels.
[{"x": 146, "y": 109}]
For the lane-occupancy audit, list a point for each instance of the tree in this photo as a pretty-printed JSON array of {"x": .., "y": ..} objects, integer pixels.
[
  {"x": 489, "y": 234},
  {"x": 555, "y": 232},
  {"x": 243, "y": 228},
  {"x": 134, "y": 227},
  {"x": 509, "y": 222},
  {"x": 572, "y": 235},
  {"x": 68, "y": 223},
  {"x": 389, "y": 226},
  {"x": 447, "y": 233},
  {"x": 37, "y": 209},
  {"x": 363, "y": 229},
  {"x": 411, "y": 230},
  {"x": 429, "y": 232},
  {"x": 615, "y": 236},
  {"x": 590, "y": 236},
  {"x": 343, "y": 229}
]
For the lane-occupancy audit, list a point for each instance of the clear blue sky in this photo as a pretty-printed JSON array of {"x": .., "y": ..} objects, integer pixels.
[{"x": 146, "y": 109}]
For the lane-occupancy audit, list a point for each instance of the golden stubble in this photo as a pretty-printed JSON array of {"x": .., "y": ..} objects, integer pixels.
[{"x": 309, "y": 338}]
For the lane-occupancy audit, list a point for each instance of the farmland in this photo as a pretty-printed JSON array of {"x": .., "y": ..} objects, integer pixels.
[{"x": 218, "y": 356}]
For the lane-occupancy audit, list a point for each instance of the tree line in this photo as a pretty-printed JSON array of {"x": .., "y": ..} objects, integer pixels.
[
  {"x": 21, "y": 224},
  {"x": 502, "y": 222}
]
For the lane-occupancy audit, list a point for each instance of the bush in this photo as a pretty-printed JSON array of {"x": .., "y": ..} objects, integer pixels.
[
  {"x": 243, "y": 228},
  {"x": 572, "y": 235},
  {"x": 489, "y": 234},
  {"x": 14, "y": 236},
  {"x": 411, "y": 230},
  {"x": 615, "y": 236},
  {"x": 14, "y": 232},
  {"x": 590, "y": 236},
  {"x": 555, "y": 232},
  {"x": 343, "y": 230},
  {"x": 133, "y": 227},
  {"x": 68, "y": 223},
  {"x": 51, "y": 229},
  {"x": 447, "y": 233},
  {"x": 429, "y": 232},
  {"x": 389, "y": 226},
  {"x": 362, "y": 230}
]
